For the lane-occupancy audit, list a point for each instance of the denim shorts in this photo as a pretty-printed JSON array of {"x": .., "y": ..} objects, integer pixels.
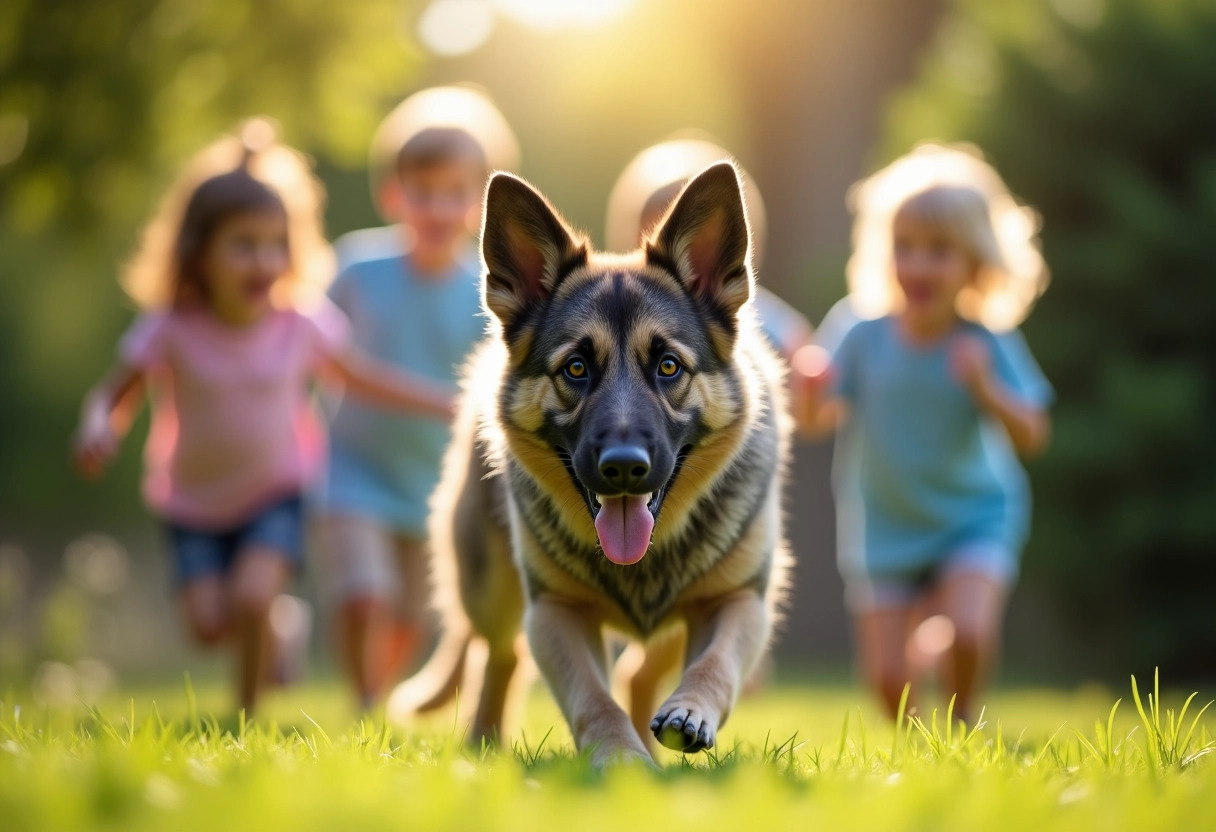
[
  {"x": 880, "y": 591},
  {"x": 278, "y": 526}
]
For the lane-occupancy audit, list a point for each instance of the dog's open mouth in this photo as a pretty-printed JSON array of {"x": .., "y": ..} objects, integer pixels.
[{"x": 624, "y": 523}]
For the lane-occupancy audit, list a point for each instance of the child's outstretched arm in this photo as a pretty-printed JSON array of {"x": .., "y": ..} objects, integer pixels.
[
  {"x": 391, "y": 386},
  {"x": 105, "y": 416},
  {"x": 1028, "y": 426},
  {"x": 817, "y": 412}
]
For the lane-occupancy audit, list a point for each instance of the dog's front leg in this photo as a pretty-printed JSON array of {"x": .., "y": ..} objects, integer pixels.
[
  {"x": 724, "y": 643},
  {"x": 568, "y": 646}
]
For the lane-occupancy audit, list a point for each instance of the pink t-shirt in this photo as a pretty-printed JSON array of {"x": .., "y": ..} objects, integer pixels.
[{"x": 233, "y": 425}]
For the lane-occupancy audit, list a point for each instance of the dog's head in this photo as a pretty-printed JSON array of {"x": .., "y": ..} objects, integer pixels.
[{"x": 620, "y": 368}]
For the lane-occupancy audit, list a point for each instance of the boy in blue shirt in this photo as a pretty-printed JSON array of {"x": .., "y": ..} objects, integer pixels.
[
  {"x": 645, "y": 190},
  {"x": 413, "y": 298}
]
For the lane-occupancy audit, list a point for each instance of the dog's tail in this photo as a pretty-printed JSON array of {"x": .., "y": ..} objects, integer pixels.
[{"x": 436, "y": 683}]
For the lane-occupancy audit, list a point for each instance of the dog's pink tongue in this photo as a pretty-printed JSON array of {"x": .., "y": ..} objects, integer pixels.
[{"x": 624, "y": 525}]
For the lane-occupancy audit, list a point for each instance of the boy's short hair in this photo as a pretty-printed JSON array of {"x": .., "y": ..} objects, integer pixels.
[
  {"x": 438, "y": 146},
  {"x": 442, "y": 124},
  {"x": 654, "y": 178}
]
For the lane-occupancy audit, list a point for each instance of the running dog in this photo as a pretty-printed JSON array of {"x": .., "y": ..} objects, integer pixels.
[{"x": 617, "y": 462}]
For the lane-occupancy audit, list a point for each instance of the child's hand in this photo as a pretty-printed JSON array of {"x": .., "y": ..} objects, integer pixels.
[
  {"x": 810, "y": 382},
  {"x": 94, "y": 445},
  {"x": 970, "y": 362},
  {"x": 811, "y": 368}
]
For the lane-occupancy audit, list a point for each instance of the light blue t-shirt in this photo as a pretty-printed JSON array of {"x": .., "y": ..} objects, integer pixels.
[
  {"x": 385, "y": 464},
  {"x": 919, "y": 471}
]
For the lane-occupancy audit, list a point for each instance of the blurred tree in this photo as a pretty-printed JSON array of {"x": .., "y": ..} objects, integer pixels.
[
  {"x": 1102, "y": 114},
  {"x": 99, "y": 104}
]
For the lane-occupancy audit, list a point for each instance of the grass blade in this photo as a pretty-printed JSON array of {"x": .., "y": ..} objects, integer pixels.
[
  {"x": 899, "y": 719},
  {"x": 1150, "y": 740}
]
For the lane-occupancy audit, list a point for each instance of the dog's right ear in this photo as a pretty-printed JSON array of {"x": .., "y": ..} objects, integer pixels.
[
  {"x": 705, "y": 239},
  {"x": 527, "y": 248}
]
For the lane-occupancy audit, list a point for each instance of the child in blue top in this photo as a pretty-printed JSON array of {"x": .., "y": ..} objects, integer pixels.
[
  {"x": 645, "y": 190},
  {"x": 935, "y": 395},
  {"x": 412, "y": 293},
  {"x": 641, "y": 196}
]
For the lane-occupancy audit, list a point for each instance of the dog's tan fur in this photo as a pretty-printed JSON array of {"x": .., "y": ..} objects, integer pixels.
[{"x": 510, "y": 508}]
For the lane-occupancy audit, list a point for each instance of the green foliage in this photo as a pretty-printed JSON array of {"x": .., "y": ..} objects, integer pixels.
[
  {"x": 99, "y": 105},
  {"x": 169, "y": 765},
  {"x": 1099, "y": 113},
  {"x": 118, "y": 93}
]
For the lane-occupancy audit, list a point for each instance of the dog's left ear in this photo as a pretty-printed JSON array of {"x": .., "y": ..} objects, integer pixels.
[
  {"x": 527, "y": 248},
  {"x": 705, "y": 239}
]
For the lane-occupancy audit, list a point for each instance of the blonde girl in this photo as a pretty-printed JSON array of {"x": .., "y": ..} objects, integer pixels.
[
  {"x": 232, "y": 331},
  {"x": 935, "y": 395}
]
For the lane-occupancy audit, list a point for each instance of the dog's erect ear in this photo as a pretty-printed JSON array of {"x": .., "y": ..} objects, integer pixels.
[
  {"x": 526, "y": 246},
  {"x": 705, "y": 239}
]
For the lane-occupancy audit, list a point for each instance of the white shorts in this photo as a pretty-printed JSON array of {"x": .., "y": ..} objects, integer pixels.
[{"x": 360, "y": 557}]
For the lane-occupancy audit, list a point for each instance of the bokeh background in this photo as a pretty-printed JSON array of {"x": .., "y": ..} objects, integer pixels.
[{"x": 1101, "y": 113}]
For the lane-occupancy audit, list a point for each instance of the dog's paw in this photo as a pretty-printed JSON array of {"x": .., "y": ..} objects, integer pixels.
[{"x": 685, "y": 729}]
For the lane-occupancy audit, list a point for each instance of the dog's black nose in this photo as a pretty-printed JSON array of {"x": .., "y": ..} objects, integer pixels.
[{"x": 624, "y": 466}]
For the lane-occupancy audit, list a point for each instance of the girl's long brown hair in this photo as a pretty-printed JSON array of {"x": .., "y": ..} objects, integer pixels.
[{"x": 249, "y": 171}]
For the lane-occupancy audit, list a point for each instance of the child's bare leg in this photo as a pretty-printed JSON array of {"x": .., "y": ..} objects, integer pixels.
[
  {"x": 357, "y": 569},
  {"x": 361, "y": 624},
  {"x": 205, "y": 604},
  {"x": 398, "y": 647},
  {"x": 258, "y": 575},
  {"x": 932, "y": 636},
  {"x": 975, "y": 603},
  {"x": 882, "y": 638},
  {"x": 414, "y": 626},
  {"x": 378, "y": 637}
]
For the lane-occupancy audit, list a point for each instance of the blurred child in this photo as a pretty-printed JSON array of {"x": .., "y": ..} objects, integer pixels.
[
  {"x": 412, "y": 292},
  {"x": 638, "y": 200},
  {"x": 646, "y": 188},
  {"x": 234, "y": 329},
  {"x": 935, "y": 393}
]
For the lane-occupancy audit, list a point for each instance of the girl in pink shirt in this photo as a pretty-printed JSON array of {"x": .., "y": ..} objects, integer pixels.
[{"x": 235, "y": 327}]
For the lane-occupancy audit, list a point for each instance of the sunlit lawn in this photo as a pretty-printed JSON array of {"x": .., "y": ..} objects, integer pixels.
[{"x": 799, "y": 755}]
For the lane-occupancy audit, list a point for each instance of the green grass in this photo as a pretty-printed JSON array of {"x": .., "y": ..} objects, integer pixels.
[{"x": 797, "y": 756}]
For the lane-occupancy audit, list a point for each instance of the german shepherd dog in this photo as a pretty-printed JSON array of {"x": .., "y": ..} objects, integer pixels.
[{"x": 617, "y": 463}]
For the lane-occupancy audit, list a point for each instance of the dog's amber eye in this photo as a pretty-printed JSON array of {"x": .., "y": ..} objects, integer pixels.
[
  {"x": 576, "y": 368},
  {"x": 669, "y": 367}
]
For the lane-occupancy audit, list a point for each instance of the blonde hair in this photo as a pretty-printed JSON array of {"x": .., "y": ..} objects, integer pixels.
[
  {"x": 952, "y": 187},
  {"x": 439, "y": 123},
  {"x": 237, "y": 173},
  {"x": 653, "y": 178}
]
